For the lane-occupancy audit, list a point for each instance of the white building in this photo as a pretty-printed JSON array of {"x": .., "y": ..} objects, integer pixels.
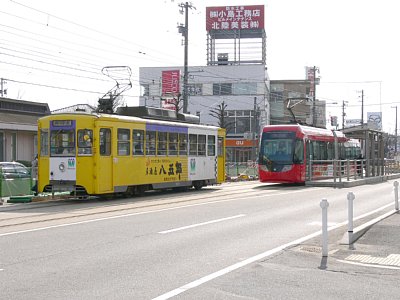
[{"x": 243, "y": 90}]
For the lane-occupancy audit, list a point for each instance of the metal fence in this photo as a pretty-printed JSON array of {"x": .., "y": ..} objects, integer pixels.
[
  {"x": 350, "y": 169},
  {"x": 16, "y": 184},
  {"x": 241, "y": 171}
]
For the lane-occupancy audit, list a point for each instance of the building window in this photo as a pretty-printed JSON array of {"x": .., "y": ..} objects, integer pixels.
[
  {"x": 241, "y": 121},
  {"x": 247, "y": 88},
  {"x": 222, "y": 89}
]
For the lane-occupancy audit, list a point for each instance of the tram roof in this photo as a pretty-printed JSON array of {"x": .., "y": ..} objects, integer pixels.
[
  {"x": 129, "y": 119},
  {"x": 305, "y": 130}
]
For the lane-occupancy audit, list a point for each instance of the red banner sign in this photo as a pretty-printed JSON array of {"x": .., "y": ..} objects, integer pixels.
[
  {"x": 170, "y": 82},
  {"x": 235, "y": 17}
]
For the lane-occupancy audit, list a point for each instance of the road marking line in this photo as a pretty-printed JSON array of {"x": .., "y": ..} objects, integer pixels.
[
  {"x": 134, "y": 214},
  {"x": 367, "y": 265},
  {"x": 201, "y": 224},
  {"x": 315, "y": 223},
  {"x": 233, "y": 267}
]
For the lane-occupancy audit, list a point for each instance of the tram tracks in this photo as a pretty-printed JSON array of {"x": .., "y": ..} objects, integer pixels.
[{"x": 40, "y": 215}]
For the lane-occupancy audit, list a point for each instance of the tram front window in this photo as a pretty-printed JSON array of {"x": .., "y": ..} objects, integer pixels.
[
  {"x": 62, "y": 142},
  {"x": 277, "y": 147}
]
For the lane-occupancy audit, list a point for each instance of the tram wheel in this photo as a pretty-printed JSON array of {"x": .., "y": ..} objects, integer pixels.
[{"x": 197, "y": 185}]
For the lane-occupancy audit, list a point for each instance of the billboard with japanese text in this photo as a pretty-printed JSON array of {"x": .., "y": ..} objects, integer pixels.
[
  {"x": 170, "y": 82},
  {"x": 235, "y": 17}
]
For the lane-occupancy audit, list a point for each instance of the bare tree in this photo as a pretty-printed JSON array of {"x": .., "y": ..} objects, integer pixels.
[{"x": 219, "y": 114}]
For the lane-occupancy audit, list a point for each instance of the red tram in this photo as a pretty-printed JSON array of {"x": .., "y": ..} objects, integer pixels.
[{"x": 285, "y": 150}]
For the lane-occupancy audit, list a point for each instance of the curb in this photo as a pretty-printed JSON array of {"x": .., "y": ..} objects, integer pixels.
[{"x": 351, "y": 237}]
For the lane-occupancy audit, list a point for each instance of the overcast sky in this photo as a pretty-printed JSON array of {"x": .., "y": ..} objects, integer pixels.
[{"x": 48, "y": 45}]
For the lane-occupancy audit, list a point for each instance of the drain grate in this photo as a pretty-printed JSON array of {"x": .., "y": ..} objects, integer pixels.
[
  {"x": 311, "y": 249},
  {"x": 390, "y": 260}
]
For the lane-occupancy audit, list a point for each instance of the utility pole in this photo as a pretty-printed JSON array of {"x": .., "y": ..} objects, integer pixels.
[
  {"x": 362, "y": 107},
  {"x": 184, "y": 29},
  {"x": 343, "y": 113},
  {"x": 254, "y": 135},
  {"x": 3, "y": 91},
  {"x": 395, "y": 132},
  {"x": 314, "y": 83},
  {"x": 395, "y": 145}
]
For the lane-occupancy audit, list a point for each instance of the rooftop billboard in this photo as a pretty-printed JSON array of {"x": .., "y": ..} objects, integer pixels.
[{"x": 235, "y": 17}]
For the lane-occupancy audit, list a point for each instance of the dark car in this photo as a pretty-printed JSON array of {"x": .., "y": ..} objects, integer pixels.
[{"x": 11, "y": 170}]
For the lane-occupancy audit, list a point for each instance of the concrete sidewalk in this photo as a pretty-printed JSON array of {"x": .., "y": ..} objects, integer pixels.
[{"x": 368, "y": 269}]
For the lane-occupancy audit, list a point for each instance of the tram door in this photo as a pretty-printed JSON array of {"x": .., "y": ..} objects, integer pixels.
[{"x": 105, "y": 162}]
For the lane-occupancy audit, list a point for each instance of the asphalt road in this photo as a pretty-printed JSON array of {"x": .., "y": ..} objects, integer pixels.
[{"x": 173, "y": 244}]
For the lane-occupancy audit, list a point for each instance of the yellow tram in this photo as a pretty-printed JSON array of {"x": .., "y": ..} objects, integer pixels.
[{"x": 102, "y": 154}]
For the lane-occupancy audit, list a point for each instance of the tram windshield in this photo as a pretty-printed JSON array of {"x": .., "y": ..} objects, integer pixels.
[
  {"x": 62, "y": 142},
  {"x": 277, "y": 147}
]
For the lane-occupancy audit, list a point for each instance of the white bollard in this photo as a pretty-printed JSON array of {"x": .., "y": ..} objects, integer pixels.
[
  {"x": 324, "y": 205},
  {"x": 350, "y": 199},
  {"x": 396, "y": 195}
]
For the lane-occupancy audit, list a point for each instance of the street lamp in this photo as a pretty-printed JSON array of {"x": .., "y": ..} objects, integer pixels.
[{"x": 395, "y": 132}]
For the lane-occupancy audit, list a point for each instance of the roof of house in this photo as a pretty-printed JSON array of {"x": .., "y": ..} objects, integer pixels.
[{"x": 20, "y": 114}]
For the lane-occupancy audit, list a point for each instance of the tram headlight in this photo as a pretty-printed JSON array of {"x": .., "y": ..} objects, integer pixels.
[
  {"x": 61, "y": 167},
  {"x": 286, "y": 168}
]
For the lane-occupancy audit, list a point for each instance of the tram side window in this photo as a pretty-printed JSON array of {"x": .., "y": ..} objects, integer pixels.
[
  {"x": 44, "y": 143},
  {"x": 172, "y": 143},
  {"x": 193, "y": 144},
  {"x": 138, "y": 136},
  {"x": 162, "y": 143},
  {"x": 183, "y": 144},
  {"x": 220, "y": 146},
  {"x": 124, "y": 142},
  {"x": 105, "y": 141},
  {"x": 298, "y": 152},
  {"x": 85, "y": 138},
  {"x": 320, "y": 150},
  {"x": 150, "y": 143},
  {"x": 201, "y": 145},
  {"x": 211, "y": 145},
  {"x": 331, "y": 151}
]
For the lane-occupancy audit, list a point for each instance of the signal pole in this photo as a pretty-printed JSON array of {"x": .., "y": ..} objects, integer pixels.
[{"x": 184, "y": 29}]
